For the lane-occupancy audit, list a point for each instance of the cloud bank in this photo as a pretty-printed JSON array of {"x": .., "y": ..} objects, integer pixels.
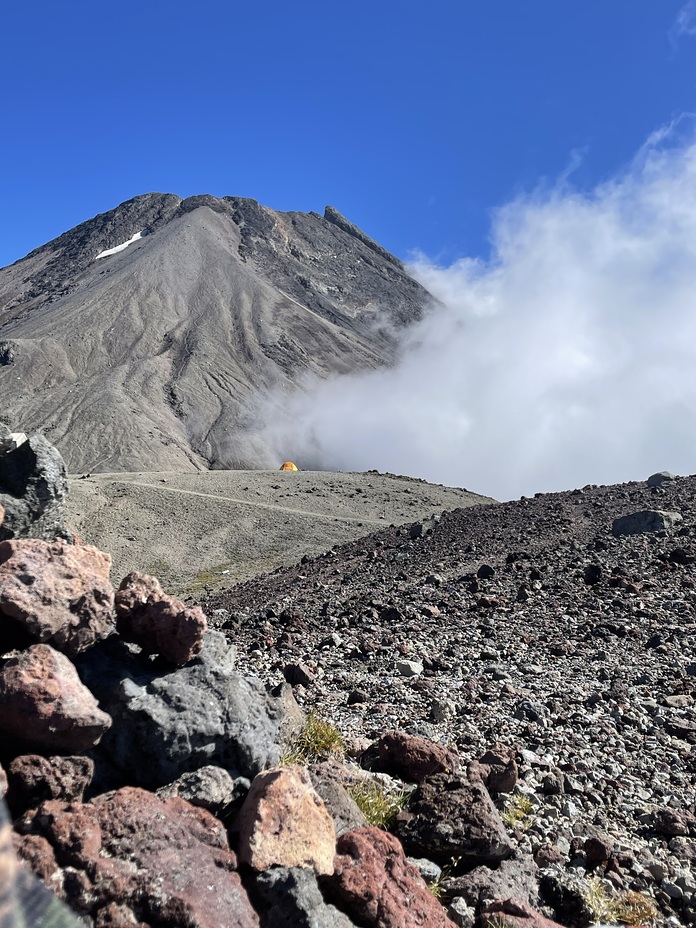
[{"x": 566, "y": 358}]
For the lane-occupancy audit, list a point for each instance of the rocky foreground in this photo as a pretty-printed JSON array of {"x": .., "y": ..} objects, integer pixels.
[{"x": 513, "y": 683}]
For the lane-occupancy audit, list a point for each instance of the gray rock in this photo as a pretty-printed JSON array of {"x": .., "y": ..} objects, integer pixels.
[
  {"x": 33, "y": 488},
  {"x": 429, "y": 870},
  {"x": 290, "y": 898},
  {"x": 341, "y": 806},
  {"x": 460, "y": 913},
  {"x": 661, "y": 478},
  {"x": 409, "y": 668},
  {"x": 648, "y": 520},
  {"x": 209, "y": 787},
  {"x": 167, "y": 723}
]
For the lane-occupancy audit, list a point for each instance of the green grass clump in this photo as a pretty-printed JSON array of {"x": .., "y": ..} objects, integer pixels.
[
  {"x": 378, "y": 805},
  {"x": 516, "y": 813},
  {"x": 318, "y": 740},
  {"x": 628, "y": 908}
]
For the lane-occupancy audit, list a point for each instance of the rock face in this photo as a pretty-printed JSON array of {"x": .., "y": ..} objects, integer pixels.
[
  {"x": 159, "y": 623},
  {"x": 43, "y": 702},
  {"x": 284, "y": 823},
  {"x": 140, "y": 858},
  {"x": 173, "y": 722},
  {"x": 33, "y": 487},
  {"x": 452, "y": 817},
  {"x": 649, "y": 520},
  {"x": 378, "y": 886},
  {"x": 58, "y": 593},
  {"x": 170, "y": 388}
]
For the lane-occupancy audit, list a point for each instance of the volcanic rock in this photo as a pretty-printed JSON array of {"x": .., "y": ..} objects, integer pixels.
[
  {"x": 375, "y": 883},
  {"x": 159, "y": 623},
  {"x": 412, "y": 758},
  {"x": 649, "y": 520},
  {"x": 44, "y": 703},
  {"x": 58, "y": 593},
  {"x": 284, "y": 823},
  {"x": 452, "y": 817},
  {"x": 34, "y": 779},
  {"x": 33, "y": 487},
  {"x": 170, "y": 722},
  {"x": 157, "y": 861},
  {"x": 291, "y": 898},
  {"x": 209, "y": 787}
]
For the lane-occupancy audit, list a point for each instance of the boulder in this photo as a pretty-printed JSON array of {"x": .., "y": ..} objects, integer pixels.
[
  {"x": 513, "y": 878},
  {"x": 284, "y": 823},
  {"x": 497, "y": 769},
  {"x": 169, "y": 722},
  {"x": 453, "y": 817},
  {"x": 34, "y": 779},
  {"x": 662, "y": 478},
  {"x": 412, "y": 758},
  {"x": 33, "y": 488},
  {"x": 44, "y": 703},
  {"x": 57, "y": 593},
  {"x": 374, "y": 882},
  {"x": 143, "y": 858},
  {"x": 648, "y": 520},
  {"x": 158, "y": 623},
  {"x": 291, "y": 898}
]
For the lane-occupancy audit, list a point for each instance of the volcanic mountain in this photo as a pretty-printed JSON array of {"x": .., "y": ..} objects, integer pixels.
[{"x": 141, "y": 339}]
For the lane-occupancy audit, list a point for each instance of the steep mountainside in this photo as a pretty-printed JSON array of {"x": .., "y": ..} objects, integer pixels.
[{"x": 149, "y": 358}]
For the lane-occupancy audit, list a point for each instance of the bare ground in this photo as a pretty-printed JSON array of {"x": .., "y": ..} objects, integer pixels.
[{"x": 200, "y": 531}]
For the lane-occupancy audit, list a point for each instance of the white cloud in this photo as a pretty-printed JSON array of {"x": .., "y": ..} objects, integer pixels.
[
  {"x": 568, "y": 358},
  {"x": 685, "y": 23}
]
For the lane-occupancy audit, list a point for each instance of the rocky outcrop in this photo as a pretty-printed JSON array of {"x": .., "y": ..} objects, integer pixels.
[
  {"x": 59, "y": 594},
  {"x": 44, "y": 703},
  {"x": 159, "y": 623},
  {"x": 33, "y": 487}
]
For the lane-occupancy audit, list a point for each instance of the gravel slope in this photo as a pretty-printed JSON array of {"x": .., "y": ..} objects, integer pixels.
[
  {"x": 216, "y": 527},
  {"x": 534, "y": 627}
]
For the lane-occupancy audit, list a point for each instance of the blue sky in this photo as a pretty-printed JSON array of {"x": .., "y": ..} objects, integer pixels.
[{"x": 415, "y": 120}]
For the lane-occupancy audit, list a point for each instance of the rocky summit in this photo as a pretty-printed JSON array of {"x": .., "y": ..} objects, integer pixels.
[{"x": 143, "y": 339}]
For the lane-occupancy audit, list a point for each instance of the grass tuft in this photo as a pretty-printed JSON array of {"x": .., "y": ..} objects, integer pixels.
[
  {"x": 628, "y": 908},
  {"x": 378, "y": 805},
  {"x": 318, "y": 740},
  {"x": 517, "y": 812}
]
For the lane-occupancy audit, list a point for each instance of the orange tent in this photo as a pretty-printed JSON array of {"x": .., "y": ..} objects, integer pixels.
[{"x": 288, "y": 465}]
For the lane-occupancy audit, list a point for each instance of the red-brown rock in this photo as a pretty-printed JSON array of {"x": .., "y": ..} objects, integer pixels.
[
  {"x": 43, "y": 702},
  {"x": 284, "y": 823},
  {"x": 159, "y": 623},
  {"x": 510, "y": 913},
  {"x": 413, "y": 758},
  {"x": 497, "y": 769},
  {"x": 139, "y": 859},
  {"x": 34, "y": 779},
  {"x": 377, "y": 886},
  {"x": 59, "y": 593}
]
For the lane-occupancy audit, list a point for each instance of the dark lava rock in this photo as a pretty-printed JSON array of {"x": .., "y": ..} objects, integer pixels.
[{"x": 33, "y": 488}]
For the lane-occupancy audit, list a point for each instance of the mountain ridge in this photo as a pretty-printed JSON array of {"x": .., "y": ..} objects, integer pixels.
[{"x": 155, "y": 357}]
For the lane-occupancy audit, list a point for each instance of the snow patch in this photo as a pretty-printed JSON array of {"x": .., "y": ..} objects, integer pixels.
[{"x": 113, "y": 251}]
